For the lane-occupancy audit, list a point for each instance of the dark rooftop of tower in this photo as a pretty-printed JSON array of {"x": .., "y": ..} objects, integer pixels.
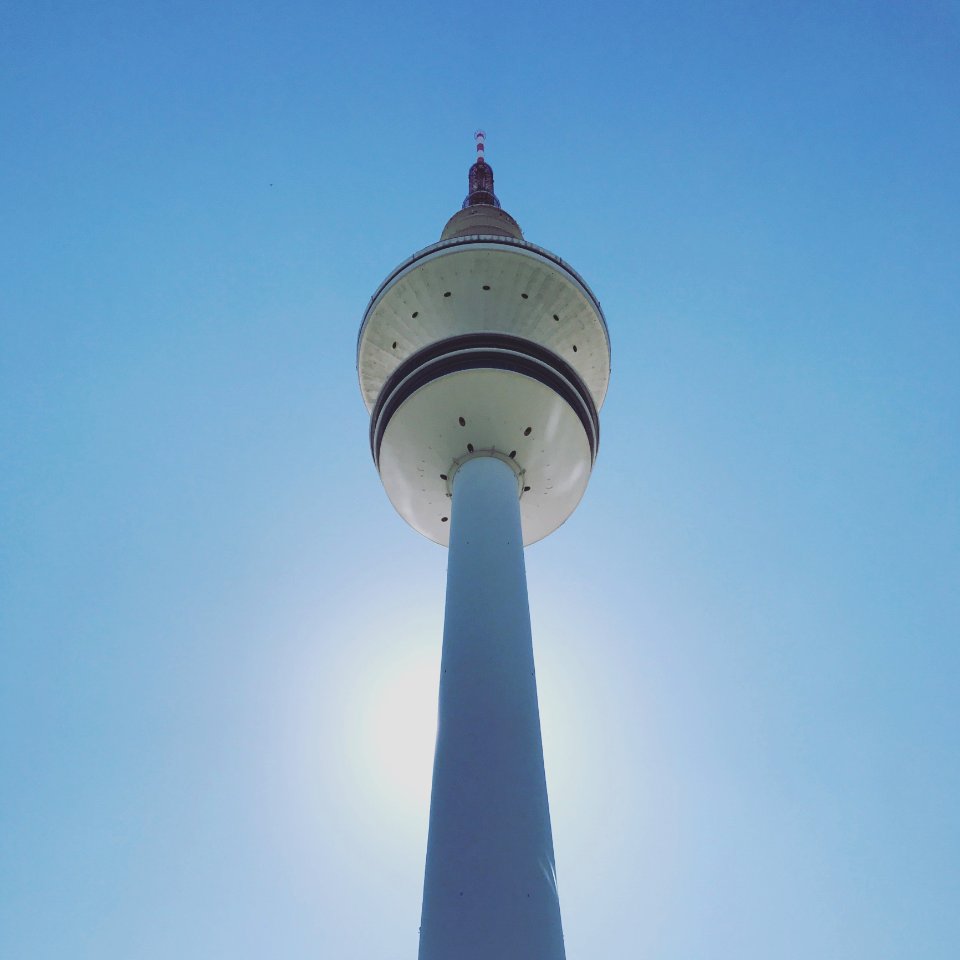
[{"x": 480, "y": 179}]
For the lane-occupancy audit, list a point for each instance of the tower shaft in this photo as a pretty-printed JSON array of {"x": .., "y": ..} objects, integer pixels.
[{"x": 490, "y": 889}]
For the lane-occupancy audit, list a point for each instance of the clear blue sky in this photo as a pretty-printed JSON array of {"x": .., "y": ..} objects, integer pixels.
[{"x": 219, "y": 643}]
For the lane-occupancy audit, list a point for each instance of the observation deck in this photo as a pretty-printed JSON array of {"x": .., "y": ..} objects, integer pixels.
[{"x": 484, "y": 344}]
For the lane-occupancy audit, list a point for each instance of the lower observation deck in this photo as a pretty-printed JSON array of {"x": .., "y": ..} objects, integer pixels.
[{"x": 484, "y": 395}]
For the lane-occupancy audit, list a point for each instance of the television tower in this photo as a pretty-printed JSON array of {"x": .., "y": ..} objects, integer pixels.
[{"x": 483, "y": 360}]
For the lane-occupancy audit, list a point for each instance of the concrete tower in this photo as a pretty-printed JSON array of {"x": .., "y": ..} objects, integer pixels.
[{"x": 483, "y": 360}]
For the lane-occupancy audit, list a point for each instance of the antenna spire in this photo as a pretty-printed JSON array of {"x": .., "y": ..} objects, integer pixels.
[{"x": 480, "y": 178}]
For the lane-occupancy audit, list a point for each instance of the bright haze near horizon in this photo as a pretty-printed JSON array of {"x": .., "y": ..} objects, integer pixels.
[{"x": 220, "y": 643}]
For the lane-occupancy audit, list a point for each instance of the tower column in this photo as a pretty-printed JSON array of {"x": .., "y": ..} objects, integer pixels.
[{"x": 490, "y": 888}]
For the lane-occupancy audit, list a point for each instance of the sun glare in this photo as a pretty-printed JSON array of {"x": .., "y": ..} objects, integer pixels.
[{"x": 399, "y": 726}]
